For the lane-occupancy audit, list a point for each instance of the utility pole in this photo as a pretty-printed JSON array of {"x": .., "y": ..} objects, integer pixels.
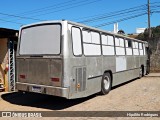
[
  {"x": 149, "y": 23},
  {"x": 149, "y": 37}
]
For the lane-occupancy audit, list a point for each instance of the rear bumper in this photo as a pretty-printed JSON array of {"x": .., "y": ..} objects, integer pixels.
[{"x": 49, "y": 90}]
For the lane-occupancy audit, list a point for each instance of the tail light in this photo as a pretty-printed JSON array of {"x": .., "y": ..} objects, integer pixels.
[
  {"x": 55, "y": 79},
  {"x": 22, "y": 76}
]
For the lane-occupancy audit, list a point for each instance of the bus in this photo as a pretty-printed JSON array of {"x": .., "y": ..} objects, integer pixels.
[{"x": 72, "y": 60}]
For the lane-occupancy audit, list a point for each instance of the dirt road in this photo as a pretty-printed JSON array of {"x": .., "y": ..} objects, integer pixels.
[{"x": 138, "y": 95}]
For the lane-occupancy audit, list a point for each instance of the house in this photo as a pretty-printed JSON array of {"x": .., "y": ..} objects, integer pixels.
[{"x": 8, "y": 43}]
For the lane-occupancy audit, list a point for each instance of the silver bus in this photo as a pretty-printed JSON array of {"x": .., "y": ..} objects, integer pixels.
[{"x": 71, "y": 60}]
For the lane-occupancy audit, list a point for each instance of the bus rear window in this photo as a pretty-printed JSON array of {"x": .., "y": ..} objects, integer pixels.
[{"x": 41, "y": 39}]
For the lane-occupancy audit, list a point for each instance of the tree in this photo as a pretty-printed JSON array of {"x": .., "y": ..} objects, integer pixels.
[
  {"x": 156, "y": 32},
  {"x": 121, "y": 32},
  {"x": 154, "y": 35},
  {"x": 154, "y": 46}
]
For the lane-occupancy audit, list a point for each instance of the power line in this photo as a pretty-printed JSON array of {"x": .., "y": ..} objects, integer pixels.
[
  {"x": 76, "y": 4},
  {"x": 21, "y": 17},
  {"x": 69, "y": 7},
  {"x": 73, "y": 5},
  {"x": 44, "y": 8},
  {"x": 11, "y": 22},
  {"x": 55, "y": 6},
  {"x": 115, "y": 13},
  {"x": 120, "y": 20},
  {"x": 155, "y": 12},
  {"x": 154, "y": 3},
  {"x": 112, "y": 15},
  {"x": 142, "y": 9},
  {"x": 119, "y": 16}
]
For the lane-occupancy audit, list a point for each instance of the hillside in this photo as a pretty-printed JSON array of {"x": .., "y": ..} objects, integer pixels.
[{"x": 154, "y": 45}]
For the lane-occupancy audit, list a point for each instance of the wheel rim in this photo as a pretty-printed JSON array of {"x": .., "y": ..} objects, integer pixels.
[{"x": 106, "y": 82}]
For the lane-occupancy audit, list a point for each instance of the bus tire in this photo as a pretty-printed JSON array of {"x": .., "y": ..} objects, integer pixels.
[{"x": 106, "y": 83}]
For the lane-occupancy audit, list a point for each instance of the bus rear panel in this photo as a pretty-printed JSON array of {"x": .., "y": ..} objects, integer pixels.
[{"x": 39, "y": 60}]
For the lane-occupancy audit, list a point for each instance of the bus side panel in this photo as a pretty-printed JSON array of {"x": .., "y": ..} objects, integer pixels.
[
  {"x": 109, "y": 64},
  {"x": 85, "y": 71},
  {"x": 94, "y": 74},
  {"x": 143, "y": 61},
  {"x": 78, "y": 76},
  {"x": 86, "y": 76},
  {"x": 129, "y": 72},
  {"x": 74, "y": 67}
]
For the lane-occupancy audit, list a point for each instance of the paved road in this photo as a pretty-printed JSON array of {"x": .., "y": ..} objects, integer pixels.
[{"x": 138, "y": 95}]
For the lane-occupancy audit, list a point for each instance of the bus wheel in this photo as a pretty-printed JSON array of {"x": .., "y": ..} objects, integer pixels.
[{"x": 106, "y": 83}]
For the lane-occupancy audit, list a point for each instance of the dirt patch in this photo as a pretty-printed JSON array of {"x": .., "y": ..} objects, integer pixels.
[{"x": 138, "y": 95}]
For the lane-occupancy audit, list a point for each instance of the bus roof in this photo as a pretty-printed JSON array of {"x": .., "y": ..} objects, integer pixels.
[{"x": 82, "y": 25}]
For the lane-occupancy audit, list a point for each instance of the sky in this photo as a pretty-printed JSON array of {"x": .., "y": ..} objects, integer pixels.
[{"x": 130, "y": 14}]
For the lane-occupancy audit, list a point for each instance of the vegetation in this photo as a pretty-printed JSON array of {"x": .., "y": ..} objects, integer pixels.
[
  {"x": 154, "y": 45},
  {"x": 155, "y": 34},
  {"x": 121, "y": 32}
]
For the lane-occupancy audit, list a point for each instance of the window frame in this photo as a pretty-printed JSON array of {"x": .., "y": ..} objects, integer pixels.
[
  {"x": 105, "y": 34},
  {"x": 141, "y": 48},
  {"x": 133, "y": 42},
  {"x": 128, "y": 40},
  {"x": 43, "y": 24},
  {"x": 90, "y": 30},
  {"x": 81, "y": 41},
  {"x": 120, "y": 46},
  {"x": 144, "y": 49}
]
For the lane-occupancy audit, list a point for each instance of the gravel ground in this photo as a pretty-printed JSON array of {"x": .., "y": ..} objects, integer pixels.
[{"x": 138, "y": 95}]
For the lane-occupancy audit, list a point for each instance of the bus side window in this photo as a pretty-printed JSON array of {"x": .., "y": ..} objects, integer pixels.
[
  {"x": 77, "y": 43},
  {"x": 119, "y": 44},
  {"x": 108, "y": 45},
  {"x": 144, "y": 49},
  {"x": 128, "y": 47},
  {"x": 140, "y": 49},
  {"x": 135, "y": 48},
  {"x": 91, "y": 43}
]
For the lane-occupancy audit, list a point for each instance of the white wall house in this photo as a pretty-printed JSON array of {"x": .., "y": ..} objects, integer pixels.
[{"x": 140, "y": 30}]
